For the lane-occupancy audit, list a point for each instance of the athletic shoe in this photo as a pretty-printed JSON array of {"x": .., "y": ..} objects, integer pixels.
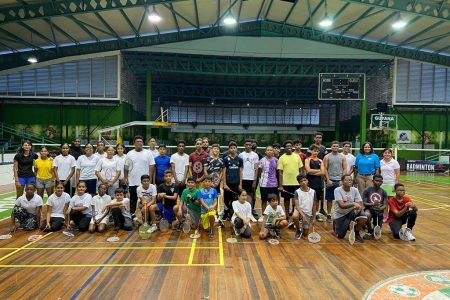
[
  {"x": 322, "y": 211},
  {"x": 211, "y": 232},
  {"x": 319, "y": 218},
  {"x": 261, "y": 219},
  {"x": 272, "y": 232},
  {"x": 298, "y": 233},
  {"x": 252, "y": 218},
  {"x": 236, "y": 231},
  {"x": 409, "y": 235},
  {"x": 367, "y": 236},
  {"x": 137, "y": 221},
  {"x": 277, "y": 232},
  {"x": 358, "y": 237},
  {"x": 153, "y": 228},
  {"x": 329, "y": 218},
  {"x": 291, "y": 225}
]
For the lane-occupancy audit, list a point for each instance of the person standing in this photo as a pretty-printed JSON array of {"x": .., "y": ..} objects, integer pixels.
[
  {"x": 64, "y": 167},
  {"x": 390, "y": 170},
  {"x": 85, "y": 169},
  {"x": 152, "y": 147},
  {"x": 267, "y": 174},
  {"x": 318, "y": 137},
  {"x": 250, "y": 172},
  {"x": 335, "y": 166},
  {"x": 367, "y": 164},
  {"x": 180, "y": 165},
  {"x": 142, "y": 163},
  {"x": 196, "y": 162},
  {"x": 232, "y": 176},
  {"x": 314, "y": 172},
  {"x": 349, "y": 157},
  {"x": 23, "y": 167}
]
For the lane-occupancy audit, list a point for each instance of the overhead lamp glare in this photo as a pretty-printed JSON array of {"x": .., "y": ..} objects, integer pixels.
[
  {"x": 229, "y": 19},
  {"x": 32, "y": 60},
  {"x": 154, "y": 17},
  {"x": 399, "y": 24},
  {"x": 326, "y": 21}
]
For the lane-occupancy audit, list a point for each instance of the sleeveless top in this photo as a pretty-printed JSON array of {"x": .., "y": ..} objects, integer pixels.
[
  {"x": 315, "y": 181},
  {"x": 335, "y": 170}
]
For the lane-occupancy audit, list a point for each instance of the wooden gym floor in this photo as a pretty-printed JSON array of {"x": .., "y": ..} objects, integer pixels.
[{"x": 171, "y": 265}]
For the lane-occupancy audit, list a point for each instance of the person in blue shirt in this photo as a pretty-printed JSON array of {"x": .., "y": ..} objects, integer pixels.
[
  {"x": 162, "y": 163},
  {"x": 208, "y": 198},
  {"x": 367, "y": 164}
]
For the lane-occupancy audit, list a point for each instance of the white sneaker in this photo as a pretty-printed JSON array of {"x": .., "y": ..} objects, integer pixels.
[
  {"x": 252, "y": 218},
  {"x": 261, "y": 219},
  {"x": 410, "y": 236},
  {"x": 153, "y": 228}
]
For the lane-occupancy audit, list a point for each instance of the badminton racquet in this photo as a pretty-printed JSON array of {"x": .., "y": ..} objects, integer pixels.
[
  {"x": 377, "y": 230},
  {"x": 143, "y": 229},
  {"x": 314, "y": 237}
]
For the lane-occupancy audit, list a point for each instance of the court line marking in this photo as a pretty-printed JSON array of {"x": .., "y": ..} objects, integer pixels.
[
  {"x": 111, "y": 248},
  {"x": 111, "y": 265},
  {"x": 23, "y": 247},
  {"x": 191, "y": 253}
]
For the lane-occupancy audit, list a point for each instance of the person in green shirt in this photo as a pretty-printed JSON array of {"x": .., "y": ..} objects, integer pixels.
[{"x": 191, "y": 203}]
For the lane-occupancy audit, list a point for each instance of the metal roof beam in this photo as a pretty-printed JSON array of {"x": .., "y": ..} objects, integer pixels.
[
  {"x": 20, "y": 40},
  {"x": 424, "y": 8},
  {"x": 376, "y": 26},
  {"x": 411, "y": 38},
  {"x": 290, "y": 11},
  {"x": 57, "y": 8},
  {"x": 175, "y": 13},
  {"x": 37, "y": 33},
  {"x": 361, "y": 17},
  {"x": 87, "y": 31},
  {"x": 112, "y": 32},
  {"x": 393, "y": 31},
  {"x": 53, "y": 25},
  {"x": 314, "y": 12},
  {"x": 124, "y": 15}
]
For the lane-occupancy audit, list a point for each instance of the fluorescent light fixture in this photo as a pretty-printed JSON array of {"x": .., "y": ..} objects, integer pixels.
[
  {"x": 154, "y": 17},
  {"x": 32, "y": 59},
  {"x": 399, "y": 24},
  {"x": 229, "y": 19},
  {"x": 326, "y": 21}
]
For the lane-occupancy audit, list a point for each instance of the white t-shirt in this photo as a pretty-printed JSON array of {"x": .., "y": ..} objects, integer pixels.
[
  {"x": 125, "y": 210},
  {"x": 57, "y": 204},
  {"x": 306, "y": 200},
  {"x": 271, "y": 213},
  {"x": 350, "y": 161},
  {"x": 388, "y": 171},
  {"x": 65, "y": 165},
  {"x": 100, "y": 203},
  {"x": 180, "y": 164},
  {"x": 141, "y": 162},
  {"x": 84, "y": 200},
  {"x": 155, "y": 152},
  {"x": 250, "y": 160},
  {"x": 86, "y": 165},
  {"x": 244, "y": 209},
  {"x": 107, "y": 167},
  {"x": 100, "y": 156},
  {"x": 147, "y": 194},
  {"x": 120, "y": 164},
  {"x": 31, "y": 205}
]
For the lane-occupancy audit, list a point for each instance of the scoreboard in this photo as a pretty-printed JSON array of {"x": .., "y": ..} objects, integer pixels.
[{"x": 341, "y": 86}]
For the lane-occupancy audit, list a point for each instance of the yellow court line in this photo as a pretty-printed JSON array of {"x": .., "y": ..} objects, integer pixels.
[
  {"x": 191, "y": 254},
  {"x": 221, "y": 258},
  {"x": 431, "y": 201},
  {"x": 111, "y": 265},
  {"x": 23, "y": 247},
  {"x": 423, "y": 200},
  {"x": 110, "y": 248},
  {"x": 430, "y": 183}
]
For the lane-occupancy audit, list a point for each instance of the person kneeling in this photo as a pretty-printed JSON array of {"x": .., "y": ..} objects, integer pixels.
[
  {"x": 27, "y": 209},
  {"x": 274, "y": 218},
  {"x": 120, "y": 211},
  {"x": 242, "y": 216},
  {"x": 80, "y": 211},
  {"x": 208, "y": 199},
  {"x": 100, "y": 207},
  {"x": 348, "y": 210},
  {"x": 375, "y": 201},
  {"x": 401, "y": 210},
  {"x": 57, "y": 204}
]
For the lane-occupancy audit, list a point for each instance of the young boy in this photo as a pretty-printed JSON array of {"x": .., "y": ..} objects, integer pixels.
[
  {"x": 305, "y": 207},
  {"x": 375, "y": 201},
  {"x": 232, "y": 178},
  {"x": 120, "y": 211},
  {"x": 315, "y": 170},
  {"x": 348, "y": 209},
  {"x": 208, "y": 199},
  {"x": 214, "y": 166},
  {"x": 162, "y": 163},
  {"x": 267, "y": 174},
  {"x": 166, "y": 200},
  {"x": 180, "y": 165},
  {"x": 250, "y": 172},
  {"x": 401, "y": 208},
  {"x": 196, "y": 161},
  {"x": 100, "y": 207},
  {"x": 146, "y": 193},
  {"x": 192, "y": 204},
  {"x": 274, "y": 218},
  {"x": 242, "y": 216}
]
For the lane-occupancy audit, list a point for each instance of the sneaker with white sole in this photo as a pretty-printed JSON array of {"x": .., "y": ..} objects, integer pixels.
[
  {"x": 153, "y": 228},
  {"x": 410, "y": 236},
  {"x": 291, "y": 224},
  {"x": 261, "y": 219},
  {"x": 252, "y": 218},
  {"x": 298, "y": 233}
]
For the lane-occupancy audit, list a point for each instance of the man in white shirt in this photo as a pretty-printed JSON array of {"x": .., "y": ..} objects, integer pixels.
[
  {"x": 346, "y": 147},
  {"x": 250, "y": 172},
  {"x": 143, "y": 163},
  {"x": 180, "y": 166}
]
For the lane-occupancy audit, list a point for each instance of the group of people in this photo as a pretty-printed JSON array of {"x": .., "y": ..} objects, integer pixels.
[{"x": 92, "y": 189}]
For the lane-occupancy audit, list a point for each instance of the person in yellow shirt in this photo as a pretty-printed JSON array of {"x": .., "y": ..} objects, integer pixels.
[
  {"x": 45, "y": 176},
  {"x": 289, "y": 166}
]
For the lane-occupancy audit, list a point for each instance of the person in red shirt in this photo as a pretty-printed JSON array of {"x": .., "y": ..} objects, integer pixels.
[
  {"x": 298, "y": 150},
  {"x": 401, "y": 210},
  {"x": 196, "y": 161}
]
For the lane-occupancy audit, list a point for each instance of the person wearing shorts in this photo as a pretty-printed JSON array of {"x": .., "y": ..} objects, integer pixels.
[
  {"x": 191, "y": 201},
  {"x": 208, "y": 199},
  {"x": 305, "y": 204},
  {"x": 375, "y": 201},
  {"x": 315, "y": 170},
  {"x": 43, "y": 168},
  {"x": 267, "y": 174},
  {"x": 274, "y": 218},
  {"x": 166, "y": 199},
  {"x": 23, "y": 167},
  {"x": 250, "y": 172}
]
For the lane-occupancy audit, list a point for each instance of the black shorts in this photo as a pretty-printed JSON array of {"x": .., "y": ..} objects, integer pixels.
[
  {"x": 265, "y": 191},
  {"x": 247, "y": 185},
  {"x": 319, "y": 193},
  {"x": 290, "y": 189}
]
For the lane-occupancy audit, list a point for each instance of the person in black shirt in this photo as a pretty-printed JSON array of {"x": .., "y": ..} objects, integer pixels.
[
  {"x": 232, "y": 176},
  {"x": 23, "y": 167},
  {"x": 75, "y": 148},
  {"x": 166, "y": 200}
]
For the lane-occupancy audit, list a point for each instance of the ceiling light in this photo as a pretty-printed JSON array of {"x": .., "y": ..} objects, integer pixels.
[
  {"x": 229, "y": 19},
  {"x": 154, "y": 17},
  {"x": 399, "y": 24},
  {"x": 32, "y": 59},
  {"x": 326, "y": 21}
]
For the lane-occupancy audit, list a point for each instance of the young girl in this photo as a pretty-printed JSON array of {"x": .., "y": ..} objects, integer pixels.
[
  {"x": 80, "y": 211},
  {"x": 27, "y": 209},
  {"x": 100, "y": 207},
  {"x": 242, "y": 215},
  {"x": 57, "y": 205},
  {"x": 274, "y": 218},
  {"x": 86, "y": 169},
  {"x": 108, "y": 171},
  {"x": 120, "y": 211},
  {"x": 64, "y": 167},
  {"x": 43, "y": 169},
  {"x": 23, "y": 167},
  {"x": 120, "y": 158}
]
